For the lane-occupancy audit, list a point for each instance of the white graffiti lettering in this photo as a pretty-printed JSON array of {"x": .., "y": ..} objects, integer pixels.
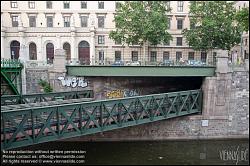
[{"x": 73, "y": 82}]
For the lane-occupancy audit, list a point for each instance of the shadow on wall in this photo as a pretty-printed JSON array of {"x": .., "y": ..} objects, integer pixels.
[{"x": 120, "y": 87}]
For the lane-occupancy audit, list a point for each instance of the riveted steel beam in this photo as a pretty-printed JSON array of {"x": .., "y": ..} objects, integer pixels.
[{"x": 27, "y": 126}]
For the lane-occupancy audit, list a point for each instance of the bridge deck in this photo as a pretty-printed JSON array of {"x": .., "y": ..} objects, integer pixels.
[
  {"x": 45, "y": 97},
  {"x": 42, "y": 104},
  {"x": 145, "y": 71}
]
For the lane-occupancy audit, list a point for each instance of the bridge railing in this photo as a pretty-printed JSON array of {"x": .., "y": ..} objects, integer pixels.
[
  {"x": 44, "y": 97},
  {"x": 142, "y": 63},
  {"x": 29, "y": 126},
  {"x": 13, "y": 63}
]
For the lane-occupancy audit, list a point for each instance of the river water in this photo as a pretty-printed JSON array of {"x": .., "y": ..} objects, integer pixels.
[{"x": 189, "y": 152}]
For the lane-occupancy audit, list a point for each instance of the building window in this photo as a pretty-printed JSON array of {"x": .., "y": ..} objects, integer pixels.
[
  {"x": 118, "y": 42},
  {"x": 179, "y": 24},
  {"x": 118, "y": 55},
  {"x": 100, "y": 5},
  {"x": 49, "y": 21},
  {"x": 165, "y": 55},
  {"x": 31, "y": 4},
  {"x": 84, "y": 52},
  {"x": 169, "y": 23},
  {"x": 13, "y": 4},
  {"x": 192, "y": 24},
  {"x": 84, "y": 21},
  {"x": 203, "y": 57},
  {"x": 101, "y": 56},
  {"x": 245, "y": 42},
  {"x": 190, "y": 55},
  {"x": 179, "y": 41},
  {"x": 166, "y": 43},
  {"x": 66, "y": 4},
  {"x": 50, "y": 53},
  {"x": 32, "y": 51},
  {"x": 178, "y": 56},
  {"x": 246, "y": 55},
  {"x": 101, "y": 39},
  {"x": 100, "y": 21},
  {"x": 84, "y": 4},
  {"x": 117, "y": 5},
  {"x": 66, "y": 47},
  {"x": 49, "y": 4},
  {"x": 214, "y": 57},
  {"x": 32, "y": 20},
  {"x": 167, "y": 4},
  {"x": 14, "y": 49},
  {"x": 180, "y": 6},
  {"x": 15, "y": 21},
  {"x": 66, "y": 21},
  {"x": 153, "y": 56},
  {"x": 134, "y": 56}
]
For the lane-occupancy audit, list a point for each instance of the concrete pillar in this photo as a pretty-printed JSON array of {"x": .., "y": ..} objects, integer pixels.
[
  {"x": 222, "y": 62},
  {"x": 58, "y": 42},
  {"x": 59, "y": 60},
  {"x": 2, "y": 43},
  {"x": 247, "y": 64},
  {"x": 40, "y": 56},
  {"x": 92, "y": 47},
  {"x": 58, "y": 68},
  {"x": 23, "y": 52},
  {"x": 74, "y": 55},
  {"x": 73, "y": 48}
]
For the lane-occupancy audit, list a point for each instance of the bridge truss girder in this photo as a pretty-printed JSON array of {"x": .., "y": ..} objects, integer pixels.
[{"x": 31, "y": 126}]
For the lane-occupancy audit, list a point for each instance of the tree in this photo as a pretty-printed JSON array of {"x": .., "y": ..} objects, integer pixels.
[
  {"x": 214, "y": 26},
  {"x": 242, "y": 17},
  {"x": 140, "y": 22}
]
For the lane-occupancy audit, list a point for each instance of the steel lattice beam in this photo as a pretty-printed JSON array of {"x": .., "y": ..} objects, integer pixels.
[
  {"x": 30, "y": 126},
  {"x": 11, "y": 73},
  {"x": 44, "y": 97}
]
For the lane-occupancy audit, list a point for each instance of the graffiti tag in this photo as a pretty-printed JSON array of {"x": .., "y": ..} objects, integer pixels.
[
  {"x": 121, "y": 93},
  {"x": 73, "y": 82}
]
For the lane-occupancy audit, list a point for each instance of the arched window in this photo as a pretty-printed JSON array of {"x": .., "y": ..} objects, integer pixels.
[
  {"x": 32, "y": 51},
  {"x": 50, "y": 52},
  {"x": 14, "y": 49},
  {"x": 66, "y": 47},
  {"x": 84, "y": 52}
]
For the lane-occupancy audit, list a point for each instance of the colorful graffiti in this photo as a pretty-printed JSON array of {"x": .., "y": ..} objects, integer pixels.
[
  {"x": 73, "y": 82},
  {"x": 121, "y": 93}
]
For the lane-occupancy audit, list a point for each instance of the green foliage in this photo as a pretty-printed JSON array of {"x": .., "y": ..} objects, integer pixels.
[
  {"x": 46, "y": 86},
  {"x": 214, "y": 26},
  {"x": 141, "y": 21},
  {"x": 242, "y": 18}
]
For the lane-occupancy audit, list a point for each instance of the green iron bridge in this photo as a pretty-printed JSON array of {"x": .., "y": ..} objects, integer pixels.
[
  {"x": 11, "y": 77},
  {"x": 46, "y": 97},
  {"x": 143, "y": 71},
  {"x": 24, "y": 125}
]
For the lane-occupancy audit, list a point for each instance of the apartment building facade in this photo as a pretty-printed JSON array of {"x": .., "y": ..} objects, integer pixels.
[
  {"x": 32, "y": 30},
  {"x": 241, "y": 50}
]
